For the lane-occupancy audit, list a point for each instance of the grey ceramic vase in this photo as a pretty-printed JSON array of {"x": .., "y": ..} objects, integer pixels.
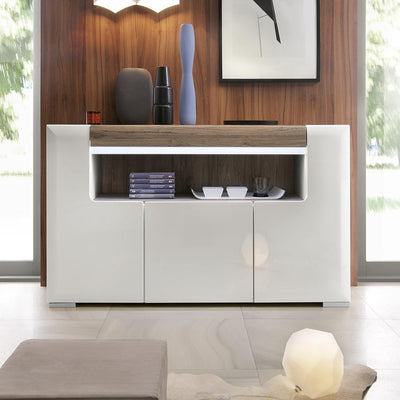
[
  {"x": 187, "y": 98},
  {"x": 134, "y": 96}
]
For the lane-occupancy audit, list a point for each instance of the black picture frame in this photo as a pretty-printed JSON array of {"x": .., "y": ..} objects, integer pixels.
[{"x": 315, "y": 78}]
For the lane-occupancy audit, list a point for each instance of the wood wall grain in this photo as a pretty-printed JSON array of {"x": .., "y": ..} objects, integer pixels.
[{"x": 84, "y": 47}]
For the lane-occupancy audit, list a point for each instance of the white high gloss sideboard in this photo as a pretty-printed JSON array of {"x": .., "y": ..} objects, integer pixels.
[{"x": 109, "y": 249}]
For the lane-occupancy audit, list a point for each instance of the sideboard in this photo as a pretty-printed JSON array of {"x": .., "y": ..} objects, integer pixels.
[{"x": 105, "y": 248}]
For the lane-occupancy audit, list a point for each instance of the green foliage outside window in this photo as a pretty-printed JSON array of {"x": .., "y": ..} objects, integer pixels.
[
  {"x": 383, "y": 76},
  {"x": 16, "y": 59}
]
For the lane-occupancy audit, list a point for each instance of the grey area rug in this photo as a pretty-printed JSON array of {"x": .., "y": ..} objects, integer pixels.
[{"x": 356, "y": 381}]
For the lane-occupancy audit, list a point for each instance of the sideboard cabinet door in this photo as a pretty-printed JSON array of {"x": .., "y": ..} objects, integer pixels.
[
  {"x": 302, "y": 248},
  {"x": 198, "y": 252},
  {"x": 96, "y": 254},
  {"x": 94, "y": 248}
]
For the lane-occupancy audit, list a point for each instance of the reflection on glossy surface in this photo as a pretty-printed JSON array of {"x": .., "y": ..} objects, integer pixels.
[
  {"x": 247, "y": 250},
  {"x": 261, "y": 251}
]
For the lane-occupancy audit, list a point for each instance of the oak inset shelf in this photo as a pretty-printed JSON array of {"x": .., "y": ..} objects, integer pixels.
[{"x": 198, "y": 136}]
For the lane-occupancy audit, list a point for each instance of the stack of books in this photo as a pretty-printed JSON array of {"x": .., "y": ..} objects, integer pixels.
[{"x": 152, "y": 185}]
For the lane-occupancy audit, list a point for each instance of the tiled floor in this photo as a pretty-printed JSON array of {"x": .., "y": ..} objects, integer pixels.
[{"x": 244, "y": 345}]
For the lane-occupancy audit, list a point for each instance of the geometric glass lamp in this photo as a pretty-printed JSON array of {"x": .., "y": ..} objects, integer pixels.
[
  {"x": 114, "y": 5},
  {"x": 118, "y": 5},
  {"x": 157, "y": 5},
  {"x": 313, "y": 362}
]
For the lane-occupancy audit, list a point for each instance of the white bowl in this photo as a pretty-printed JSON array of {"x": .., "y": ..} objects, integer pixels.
[
  {"x": 237, "y": 191},
  {"x": 212, "y": 191}
]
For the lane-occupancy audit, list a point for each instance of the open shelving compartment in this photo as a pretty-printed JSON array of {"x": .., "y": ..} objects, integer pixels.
[{"x": 197, "y": 166}]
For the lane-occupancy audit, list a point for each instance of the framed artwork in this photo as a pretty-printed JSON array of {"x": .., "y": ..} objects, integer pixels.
[{"x": 269, "y": 40}]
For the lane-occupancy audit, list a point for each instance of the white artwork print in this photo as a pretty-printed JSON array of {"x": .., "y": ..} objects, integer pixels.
[{"x": 250, "y": 46}]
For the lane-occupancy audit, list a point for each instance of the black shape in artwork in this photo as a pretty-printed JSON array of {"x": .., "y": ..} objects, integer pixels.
[{"x": 268, "y": 7}]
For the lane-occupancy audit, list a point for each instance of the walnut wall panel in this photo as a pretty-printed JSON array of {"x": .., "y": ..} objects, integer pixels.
[
  {"x": 62, "y": 80},
  {"x": 84, "y": 47},
  {"x": 101, "y": 63}
]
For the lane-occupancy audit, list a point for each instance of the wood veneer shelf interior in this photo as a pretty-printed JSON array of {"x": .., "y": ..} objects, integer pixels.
[{"x": 196, "y": 171}]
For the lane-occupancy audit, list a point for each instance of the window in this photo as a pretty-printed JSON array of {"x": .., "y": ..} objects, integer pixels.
[
  {"x": 383, "y": 130},
  {"x": 18, "y": 154}
]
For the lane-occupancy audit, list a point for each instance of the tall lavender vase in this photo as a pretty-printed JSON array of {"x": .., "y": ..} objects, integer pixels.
[{"x": 187, "y": 98}]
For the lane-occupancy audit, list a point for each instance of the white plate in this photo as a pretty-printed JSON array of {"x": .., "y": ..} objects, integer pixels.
[{"x": 274, "y": 194}]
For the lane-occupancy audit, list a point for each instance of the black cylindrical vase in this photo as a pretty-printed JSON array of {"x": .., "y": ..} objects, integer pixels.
[{"x": 163, "y": 107}]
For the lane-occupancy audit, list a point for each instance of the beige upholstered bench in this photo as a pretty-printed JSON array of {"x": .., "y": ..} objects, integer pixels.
[{"x": 86, "y": 369}]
